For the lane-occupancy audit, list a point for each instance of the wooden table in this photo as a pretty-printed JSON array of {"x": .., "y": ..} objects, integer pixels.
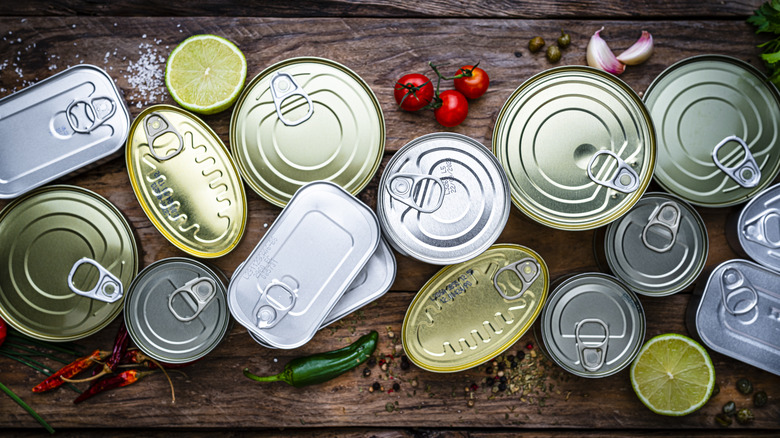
[{"x": 380, "y": 40}]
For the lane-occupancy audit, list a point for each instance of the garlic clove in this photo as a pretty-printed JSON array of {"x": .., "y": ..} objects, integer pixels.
[
  {"x": 600, "y": 56},
  {"x": 639, "y": 51}
]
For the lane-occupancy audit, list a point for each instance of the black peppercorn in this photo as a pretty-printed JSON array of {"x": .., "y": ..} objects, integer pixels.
[
  {"x": 396, "y": 386},
  {"x": 489, "y": 370},
  {"x": 371, "y": 361},
  {"x": 502, "y": 386},
  {"x": 404, "y": 363},
  {"x": 366, "y": 372},
  {"x": 376, "y": 386},
  {"x": 520, "y": 355}
]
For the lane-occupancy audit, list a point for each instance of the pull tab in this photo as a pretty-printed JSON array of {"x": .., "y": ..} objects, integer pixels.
[
  {"x": 527, "y": 270},
  {"x": 762, "y": 229},
  {"x": 155, "y": 126},
  {"x": 275, "y": 302},
  {"x": 665, "y": 216},
  {"x": 746, "y": 173},
  {"x": 592, "y": 358},
  {"x": 107, "y": 289},
  {"x": 405, "y": 187},
  {"x": 84, "y": 116},
  {"x": 736, "y": 288},
  {"x": 202, "y": 290},
  {"x": 283, "y": 86},
  {"x": 625, "y": 179}
]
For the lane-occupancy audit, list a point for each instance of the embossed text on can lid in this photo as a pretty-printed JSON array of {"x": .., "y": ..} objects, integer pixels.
[{"x": 758, "y": 228}]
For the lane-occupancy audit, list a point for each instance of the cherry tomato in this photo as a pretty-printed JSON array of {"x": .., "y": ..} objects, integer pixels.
[
  {"x": 453, "y": 110},
  {"x": 474, "y": 83},
  {"x": 413, "y": 91},
  {"x": 3, "y": 329}
]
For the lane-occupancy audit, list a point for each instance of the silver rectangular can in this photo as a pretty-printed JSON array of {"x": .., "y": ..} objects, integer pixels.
[
  {"x": 756, "y": 231},
  {"x": 59, "y": 125}
]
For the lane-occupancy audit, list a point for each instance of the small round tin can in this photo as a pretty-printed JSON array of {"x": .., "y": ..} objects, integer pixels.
[
  {"x": 578, "y": 147},
  {"x": 592, "y": 325},
  {"x": 716, "y": 119},
  {"x": 471, "y": 312},
  {"x": 176, "y": 310},
  {"x": 658, "y": 248},
  {"x": 443, "y": 199},
  {"x": 303, "y": 120},
  {"x": 757, "y": 229}
]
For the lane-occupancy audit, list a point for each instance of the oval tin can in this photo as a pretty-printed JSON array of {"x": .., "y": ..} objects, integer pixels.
[
  {"x": 59, "y": 125},
  {"x": 658, "y": 248},
  {"x": 578, "y": 147},
  {"x": 45, "y": 236},
  {"x": 303, "y": 120},
  {"x": 176, "y": 310},
  {"x": 443, "y": 199},
  {"x": 303, "y": 265},
  {"x": 758, "y": 228},
  {"x": 718, "y": 136},
  {"x": 471, "y": 312},
  {"x": 186, "y": 181},
  {"x": 592, "y": 325}
]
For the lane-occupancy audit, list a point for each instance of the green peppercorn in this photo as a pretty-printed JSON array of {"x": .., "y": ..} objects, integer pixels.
[
  {"x": 535, "y": 44},
  {"x": 553, "y": 54},
  {"x": 744, "y": 386},
  {"x": 723, "y": 419},
  {"x": 730, "y": 408},
  {"x": 564, "y": 40},
  {"x": 760, "y": 399},
  {"x": 745, "y": 416}
]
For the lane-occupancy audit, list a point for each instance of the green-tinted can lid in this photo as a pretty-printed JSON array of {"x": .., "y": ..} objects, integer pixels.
[
  {"x": 304, "y": 120},
  {"x": 717, "y": 123},
  {"x": 578, "y": 147},
  {"x": 44, "y": 236}
]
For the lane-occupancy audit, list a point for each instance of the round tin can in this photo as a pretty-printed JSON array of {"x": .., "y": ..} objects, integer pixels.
[
  {"x": 471, "y": 312},
  {"x": 443, "y": 199},
  {"x": 758, "y": 228},
  {"x": 592, "y": 325},
  {"x": 658, "y": 248},
  {"x": 176, "y": 310},
  {"x": 46, "y": 237},
  {"x": 578, "y": 147},
  {"x": 716, "y": 119},
  {"x": 303, "y": 120}
]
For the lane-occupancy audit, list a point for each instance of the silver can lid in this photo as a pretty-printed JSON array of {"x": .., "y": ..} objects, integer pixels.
[{"x": 758, "y": 228}]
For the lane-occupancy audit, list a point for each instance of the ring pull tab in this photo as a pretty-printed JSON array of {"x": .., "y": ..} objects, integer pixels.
[
  {"x": 736, "y": 288},
  {"x": 84, "y": 116},
  {"x": 108, "y": 288},
  {"x": 764, "y": 230},
  {"x": 276, "y": 300},
  {"x": 155, "y": 126},
  {"x": 591, "y": 357},
  {"x": 202, "y": 290},
  {"x": 284, "y": 86},
  {"x": 625, "y": 179},
  {"x": 527, "y": 270},
  {"x": 407, "y": 187},
  {"x": 666, "y": 216},
  {"x": 746, "y": 173}
]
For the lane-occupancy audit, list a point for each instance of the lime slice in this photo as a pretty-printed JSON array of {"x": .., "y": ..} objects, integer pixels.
[
  {"x": 673, "y": 375},
  {"x": 205, "y": 74}
]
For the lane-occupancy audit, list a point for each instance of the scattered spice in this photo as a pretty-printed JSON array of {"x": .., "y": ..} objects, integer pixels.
[
  {"x": 744, "y": 386},
  {"x": 366, "y": 372},
  {"x": 745, "y": 416},
  {"x": 723, "y": 420},
  {"x": 730, "y": 409},
  {"x": 376, "y": 386},
  {"x": 389, "y": 407},
  {"x": 760, "y": 399}
]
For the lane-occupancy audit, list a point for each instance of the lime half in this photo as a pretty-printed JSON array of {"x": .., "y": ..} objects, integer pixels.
[
  {"x": 205, "y": 74},
  {"x": 673, "y": 375}
]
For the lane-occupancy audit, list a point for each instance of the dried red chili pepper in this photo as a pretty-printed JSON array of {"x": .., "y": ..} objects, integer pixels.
[
  {"x": 70, "y": 370},
  {"x": 122, "y": 379},
  {"x": 138, "y": 357}
]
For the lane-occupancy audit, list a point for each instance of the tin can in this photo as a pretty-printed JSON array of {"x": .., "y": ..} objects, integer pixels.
[
  {"x": 578, "y": 147},
  {"x": 658, "y": 248},
  {"x": 443, "y": 199},
  {"x": 67, "y": 254},
  {"x": 592, "y": 325},
  {"x": 757, "y": 228},
  {"x": 471, "y": 312},
  {"x": 303, "y": 265},
  {"x": 186, "y": 181},
  {"x": 57, "y": 126},
  {"x": 176, "y": 310},
  {"x": 716, "y": 119},
  {"x": 303, "y": 120},
  {"x": 736, "y": 313}
]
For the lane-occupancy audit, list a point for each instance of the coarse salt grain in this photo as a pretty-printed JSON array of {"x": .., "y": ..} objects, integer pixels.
[{"x": 145, "y": 77}]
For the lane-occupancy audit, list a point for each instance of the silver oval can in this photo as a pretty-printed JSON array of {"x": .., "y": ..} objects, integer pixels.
[{"x": 758, "y": 228}]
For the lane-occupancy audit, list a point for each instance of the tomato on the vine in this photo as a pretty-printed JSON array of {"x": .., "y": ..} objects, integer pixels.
[
  {"x": 413, "y": 92},
  {"x": 474, "y": 82},
  {"x": 453, "y": 110}
]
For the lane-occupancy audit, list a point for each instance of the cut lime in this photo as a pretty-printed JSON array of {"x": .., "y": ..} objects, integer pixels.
[
  {"x": 205, "y": 74},
  {"x": 673, "y": 375}
]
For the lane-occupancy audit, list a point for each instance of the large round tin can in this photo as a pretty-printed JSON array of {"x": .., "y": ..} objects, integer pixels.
[
  {"x": 592, "y": 325},
  {"x": 658, "y": 248},
  {"x": 471, "y": 312},
  {"x": 303, "y": 120},
  {"x": 45, "y": 236},
  {"x": 176, "y": 310},
  {"x": 443, "y": 199},
  {"x": 578, "y": 147},
  {"x": 757, "y": 229},
  {"x": 718, "y": 136}
]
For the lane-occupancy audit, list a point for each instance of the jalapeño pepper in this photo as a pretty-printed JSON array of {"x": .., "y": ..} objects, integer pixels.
[{"x": 321, "y": 367}]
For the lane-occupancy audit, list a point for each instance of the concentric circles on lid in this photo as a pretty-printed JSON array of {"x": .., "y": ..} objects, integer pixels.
[
  {"x": 716, "y": 119},
  {"x": 758, "y": 228},
  {"x": 443, "y": 199},
  {"x": 578, "y": 147},
  {"x": 303, "y": 120}
]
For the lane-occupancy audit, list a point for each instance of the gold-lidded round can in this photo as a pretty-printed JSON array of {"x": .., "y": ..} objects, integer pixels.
[
  {"x": 578, "y": 147},
  {"x": 471, "y": 312},
  {"x": 306, "y": 119}
]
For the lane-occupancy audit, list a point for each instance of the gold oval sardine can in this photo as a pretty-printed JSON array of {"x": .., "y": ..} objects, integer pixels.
[
  {"x": 186, "y": 181},
  {"x": 468, "y": 313},
  {"x": 303, "y": 120}
]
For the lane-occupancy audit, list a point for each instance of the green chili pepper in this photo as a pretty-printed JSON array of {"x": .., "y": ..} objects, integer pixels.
[{"x": 321, "y": 367}]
